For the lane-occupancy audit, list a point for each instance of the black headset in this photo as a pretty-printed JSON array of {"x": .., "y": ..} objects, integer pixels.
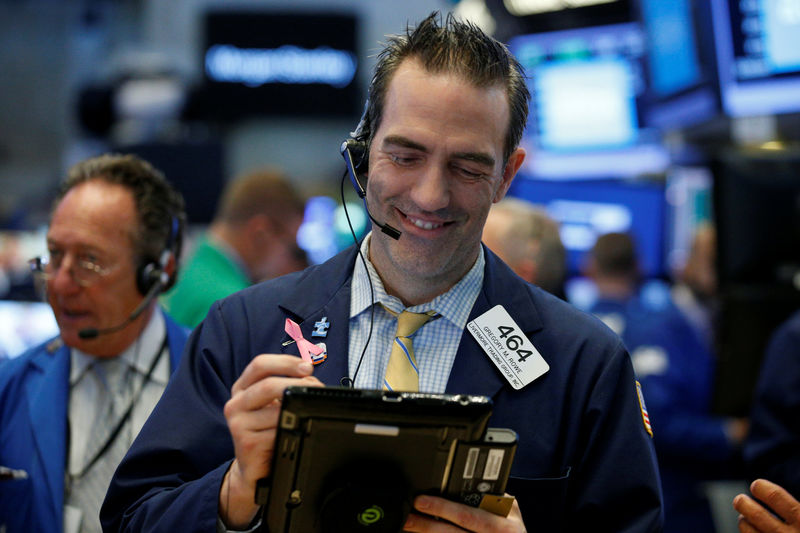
[
  {"x": 355, "y": 152},
  {"x": 151, "y": 279},
  {"x": 150, "y": 272},
  {"x": 356, "y": 158}
]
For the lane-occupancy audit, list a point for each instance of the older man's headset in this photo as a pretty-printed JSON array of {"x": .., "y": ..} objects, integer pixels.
[{"x": 151, "y": 279}]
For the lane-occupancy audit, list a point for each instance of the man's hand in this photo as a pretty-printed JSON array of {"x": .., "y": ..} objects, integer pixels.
[
  {"x": 252, "y": 416},
  {"x": 460, "y": 517},
  {"x": 755, "y": 518}
]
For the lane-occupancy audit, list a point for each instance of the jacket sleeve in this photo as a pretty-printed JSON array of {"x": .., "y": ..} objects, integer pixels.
[{"x": 616, "y": 481}]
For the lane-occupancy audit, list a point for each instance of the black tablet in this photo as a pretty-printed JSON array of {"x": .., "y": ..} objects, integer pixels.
[{"x": 353, "y": 460}]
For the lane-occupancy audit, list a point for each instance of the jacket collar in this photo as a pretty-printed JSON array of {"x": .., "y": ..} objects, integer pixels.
[
  {"x": 472, "y": 373},
  {"x": 329, "y": 283},
  {"x": 500, "y": 287}
]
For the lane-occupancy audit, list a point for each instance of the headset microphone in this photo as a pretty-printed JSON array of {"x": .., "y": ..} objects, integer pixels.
[
  {"x": 347, "y": 149},
  {"x": 91, "y": 333}
]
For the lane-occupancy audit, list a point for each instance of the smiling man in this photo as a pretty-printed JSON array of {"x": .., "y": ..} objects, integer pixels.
[
  {"x": 447, "y": 106},
  {"x": 70, "y": 408}
]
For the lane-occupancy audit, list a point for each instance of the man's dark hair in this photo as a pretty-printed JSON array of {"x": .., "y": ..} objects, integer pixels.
[
  {"x": 264, "y": 191},
  {"x": 615, "y": 255},
  {"x": 459, "y": 48},
  {"x": 159, "y": 206}
]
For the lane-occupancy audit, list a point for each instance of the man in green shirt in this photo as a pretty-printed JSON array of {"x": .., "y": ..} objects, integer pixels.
[{"x": 252, "y": 238}]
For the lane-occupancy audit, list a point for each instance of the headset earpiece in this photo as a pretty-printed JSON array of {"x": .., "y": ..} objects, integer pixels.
[
  {"x": 355, "y": 158},
  {"x": 153, "y": 271},
  {"x": 358, "y": 149},
  {"x": 148, "y": 274}
]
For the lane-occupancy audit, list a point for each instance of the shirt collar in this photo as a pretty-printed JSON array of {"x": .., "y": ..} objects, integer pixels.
[
  {"x": 140, "y": 354},
  {"x": 449, "y": 304}
]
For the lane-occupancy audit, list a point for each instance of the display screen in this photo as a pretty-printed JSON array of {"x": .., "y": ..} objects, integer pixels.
[
  {"x": 286, "y": 64},
  {"x": 680, "y": 64},
  {"x": 587, "y": 86},
  {"x": 758, "y": 55},
  {"x": 587, "y": 209},
  {"x": 689, "y": 206}
]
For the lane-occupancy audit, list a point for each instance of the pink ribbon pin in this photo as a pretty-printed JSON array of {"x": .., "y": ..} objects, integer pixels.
[{"x": 305, "y": 347}]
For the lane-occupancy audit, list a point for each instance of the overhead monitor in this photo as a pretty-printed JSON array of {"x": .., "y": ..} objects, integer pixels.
[
  {"x": 758, "y": 56},
  {"x": 681, "y": 77},
  {"x": 280, "y": 64},
  {"x": 586, "y": 209},
  {"x": 587, "y": 85}
]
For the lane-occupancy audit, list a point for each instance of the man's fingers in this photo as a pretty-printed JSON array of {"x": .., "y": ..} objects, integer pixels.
[
  {"x": 745, "y": 526},
  {"x": 463, "y": 516},
  {"x": 265, "y": 365},
  {"x": 754, "y": 515},
  {"x": 241, "y": 420},
  {"x": 778, "y": 499}
]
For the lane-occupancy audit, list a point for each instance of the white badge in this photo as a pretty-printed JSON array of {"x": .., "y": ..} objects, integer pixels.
[{"x": 508, "y": 347}]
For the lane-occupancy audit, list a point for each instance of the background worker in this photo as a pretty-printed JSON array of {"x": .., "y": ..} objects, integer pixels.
[
  {"x": 253, "y": 237},
  {"x": 528, "y": 241},
  {"x": 70, "y": 407}
]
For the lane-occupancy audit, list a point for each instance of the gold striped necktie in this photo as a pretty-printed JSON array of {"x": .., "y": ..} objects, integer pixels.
[{"x": 402, "y": 373}]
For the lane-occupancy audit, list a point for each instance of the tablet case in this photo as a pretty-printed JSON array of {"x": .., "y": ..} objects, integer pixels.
[{"x": 353, "y": 460}]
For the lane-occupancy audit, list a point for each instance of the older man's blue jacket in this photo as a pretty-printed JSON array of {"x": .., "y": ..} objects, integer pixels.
[{"x": 34, "y": 394}]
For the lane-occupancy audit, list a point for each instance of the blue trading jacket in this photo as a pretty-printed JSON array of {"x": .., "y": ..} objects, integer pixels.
[{"x": 585, "y": 461}]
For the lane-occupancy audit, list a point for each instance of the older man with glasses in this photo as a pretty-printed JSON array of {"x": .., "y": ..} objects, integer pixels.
[{"x": 70, "y": 408}]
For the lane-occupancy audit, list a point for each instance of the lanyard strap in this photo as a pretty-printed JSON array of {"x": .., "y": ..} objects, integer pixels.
[{"x": 118, "y": 428}]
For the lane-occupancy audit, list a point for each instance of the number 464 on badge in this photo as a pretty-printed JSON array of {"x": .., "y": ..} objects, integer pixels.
[{"x": 507, "y": 346}]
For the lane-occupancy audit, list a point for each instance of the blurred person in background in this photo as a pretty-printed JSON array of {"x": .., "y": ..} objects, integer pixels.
[
  {"x": 528, "y": 240},
  {"x": 772, "y": 448},
  {"x": 252, "y": 238},
  {"x": 613, "y": 266},
  {"x": 70, "y": 407},
  {"x": 695, "y": 292},
  {"x": 16, "y": 282},
  {"x": 674, "y": 358}
]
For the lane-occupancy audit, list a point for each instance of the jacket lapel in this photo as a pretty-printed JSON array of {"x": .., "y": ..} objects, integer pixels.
[
  {"x": 48, "y": 397},
  {"x": 175, "y": 341},
  {"x": 473, "y": 372},
  {"x": 331, "y": 285}
]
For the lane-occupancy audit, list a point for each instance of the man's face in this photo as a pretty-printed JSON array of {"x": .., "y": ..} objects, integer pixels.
[
  {"x": 275, "y": 243},
  {"x": 435, "y": 168},
  {"x": 94, "y": 222}
]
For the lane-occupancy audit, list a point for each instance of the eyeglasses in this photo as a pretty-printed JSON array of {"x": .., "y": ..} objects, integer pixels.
[{"x": 84, "y": 271}]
